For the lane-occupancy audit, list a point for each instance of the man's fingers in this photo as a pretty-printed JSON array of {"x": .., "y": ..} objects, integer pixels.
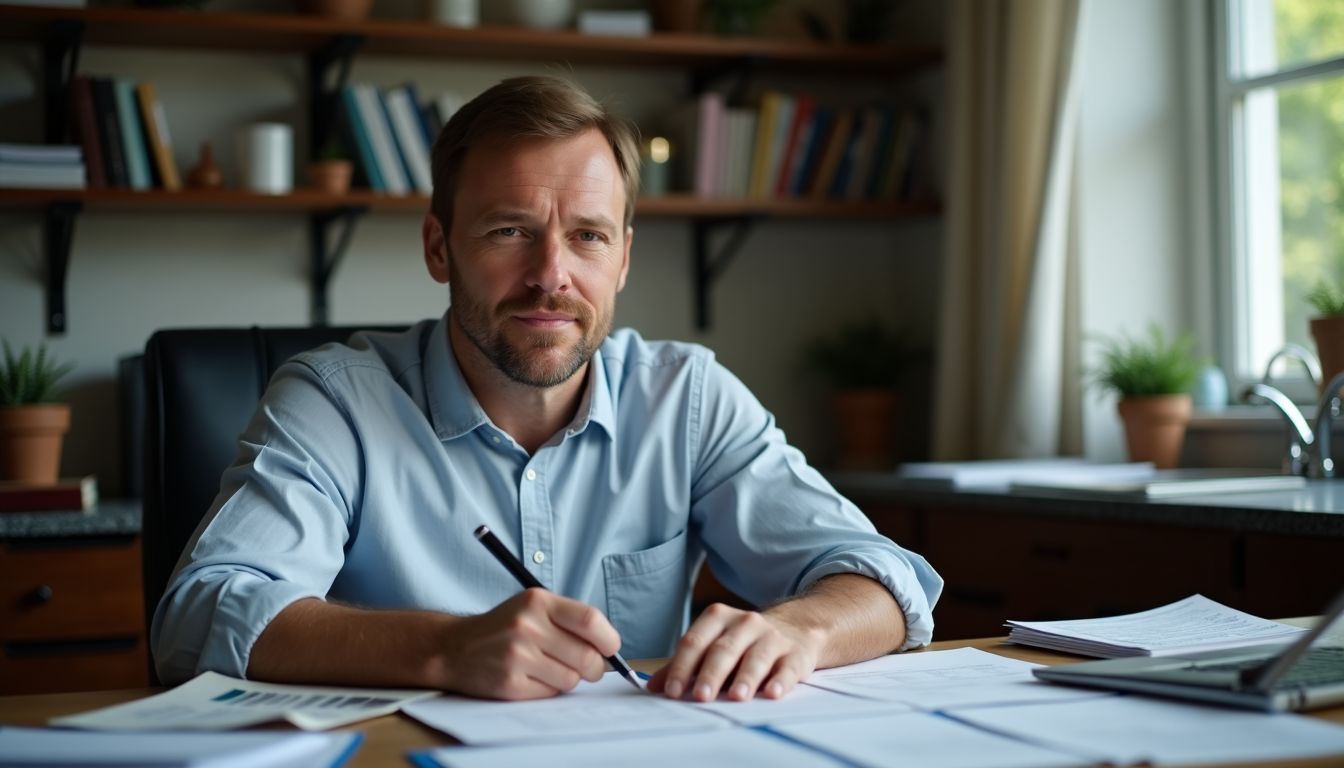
[
  {"x": 679, "y": 673},
  {"x": 726, "y": 652},
  {"x": 585, "y": 622},
  {"x": 758, "y": 662}
]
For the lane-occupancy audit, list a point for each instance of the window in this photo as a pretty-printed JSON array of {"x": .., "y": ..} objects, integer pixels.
[{"x": 1279, "y": 95}]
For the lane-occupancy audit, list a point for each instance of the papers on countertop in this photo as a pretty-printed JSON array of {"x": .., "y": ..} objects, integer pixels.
[
  {"x": 1164, "y": 483},
  {"x": 35, "y": 747},
  {"x": 1002, "y": 473},
  {"x": 215, "y": 702},
  {"x": 1186, "y": 626}
]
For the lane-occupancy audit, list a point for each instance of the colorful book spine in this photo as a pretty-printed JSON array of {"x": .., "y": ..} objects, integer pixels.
[
  {"x": 109, "y": 133},
  {"x": 709, "y": 140},
  {"x": 380, "y": 137},
  {"x": 357, "y": 138},
  {"x": 132, "y": 135},
  {"x": 86, "y": 131},
  {"x": 157, "y": 138},
  {"x": 403, "y": 116}
]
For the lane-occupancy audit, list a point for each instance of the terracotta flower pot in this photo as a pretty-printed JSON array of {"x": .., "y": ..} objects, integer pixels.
[
  {"x": 331, "y": 175},
  {"x": 865, "y": 421},
  {"x": 1155, "y": 427},
  {"x": 1328, "y": 332},
  {"x": 30, "y": 442}
]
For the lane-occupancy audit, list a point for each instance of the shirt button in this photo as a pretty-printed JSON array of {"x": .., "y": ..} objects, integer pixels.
[
  {"x": 538, "y": 557},
  {"x": 495, "y": 438},
  {"x": 531, "y": 474}
]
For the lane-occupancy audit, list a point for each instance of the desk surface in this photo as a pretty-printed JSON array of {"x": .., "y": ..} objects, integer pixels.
[{"x": 388, "y": 739}]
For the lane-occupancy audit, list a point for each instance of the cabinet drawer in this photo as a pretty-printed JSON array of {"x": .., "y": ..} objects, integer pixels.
[
  {"x": 54, "y": 667},
  {"x": 55, "y": 590}
]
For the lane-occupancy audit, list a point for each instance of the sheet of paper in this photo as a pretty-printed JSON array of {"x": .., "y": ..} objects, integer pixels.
[
  {"x": 610, "y": 707},
  {"x": 1129, "y": 729},
  {"x": 215, "y": 702},
  {"x": 1193, "y": 624},
  {"x": 44, "y": 746},
  {"x": 804, "y": 702},
  {"x": 924, "y": 739},
  {"x": 937, "y": 679},
  {"x": 738, "y": 747}
]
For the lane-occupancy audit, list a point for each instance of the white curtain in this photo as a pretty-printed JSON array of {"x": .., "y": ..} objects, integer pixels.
[{"x": 1008, "y": 380}]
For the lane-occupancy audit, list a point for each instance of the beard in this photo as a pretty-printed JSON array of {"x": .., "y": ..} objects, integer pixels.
[{"x": 536, "y": 358}]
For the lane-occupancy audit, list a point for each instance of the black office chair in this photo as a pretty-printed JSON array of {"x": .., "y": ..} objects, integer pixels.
[{"x": 201, "y": 387}]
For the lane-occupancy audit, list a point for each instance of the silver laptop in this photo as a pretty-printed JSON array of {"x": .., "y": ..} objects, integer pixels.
[{"x": 1307, "y": 674}]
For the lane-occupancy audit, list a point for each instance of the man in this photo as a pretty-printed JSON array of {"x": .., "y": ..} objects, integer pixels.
[{"x": 340, "y": 548}]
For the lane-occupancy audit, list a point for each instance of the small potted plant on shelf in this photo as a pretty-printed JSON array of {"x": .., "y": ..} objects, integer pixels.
[
  {"x": 33, "y": 421},
  {"x": 1327, "y": 328},
  {"x": 863, "y": 363},
  {"x": 1153, "y": 377},
  {"x": 331, "y": 171}
]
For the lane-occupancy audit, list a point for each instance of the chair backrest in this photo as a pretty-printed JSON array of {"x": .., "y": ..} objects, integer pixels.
[{"x": 201, "y": 387}]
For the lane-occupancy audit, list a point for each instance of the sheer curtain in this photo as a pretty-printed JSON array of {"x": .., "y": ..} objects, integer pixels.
[{"x": 1008, "y": 372}]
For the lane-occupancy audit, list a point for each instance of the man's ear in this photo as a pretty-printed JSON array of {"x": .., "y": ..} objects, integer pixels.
[
  {"x": 436, "y": 248},
  {"x": 625, "y": 258}
]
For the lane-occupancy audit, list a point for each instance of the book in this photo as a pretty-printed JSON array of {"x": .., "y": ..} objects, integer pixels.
[
  {"x": 403, "y": 115},
  {"x": 1191, "y": 625},
  {"x": 795, "y": 145},
  {"x": 41, "y": 154},
  {"x": 36, "y": 747},
  {"x": 42, "y": 176},
  {"x": 834, "y": 151},
  {"x": 132, "y": 135},
  {"x": 773, "y": 106},
  {"x": 109, "y": 132},
  {"x": 67, "y": 494},
  {"x": 356, "y": 138},
  {"x": 385, "y": 153},
  {"x": 159, "y": 142},
  {"x": 85, "y": 131},
  {"x": 813, "y": 139}
]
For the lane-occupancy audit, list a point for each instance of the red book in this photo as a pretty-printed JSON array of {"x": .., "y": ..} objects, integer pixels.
[
  {"x": 67, "y": 494},
  {"x": 86, "y": 131}
]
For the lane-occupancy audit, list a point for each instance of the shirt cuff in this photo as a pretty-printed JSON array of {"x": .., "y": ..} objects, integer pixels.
[
  {"x": 245, "y": 609},
  {"x": 911, "y": 580}
]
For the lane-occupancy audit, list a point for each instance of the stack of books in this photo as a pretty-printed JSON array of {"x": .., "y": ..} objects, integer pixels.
[
  {"x": 122, "y": 128},
  {"x": 67, "y": 494},
  {"x": 792, "y": 146},
  {"x": 44, "y": 166},
  {"x": 389, "y": 133}
]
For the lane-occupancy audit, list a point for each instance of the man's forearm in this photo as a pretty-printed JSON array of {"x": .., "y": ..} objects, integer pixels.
[
  {"x": 313, "y": 641},
  {"x": 856, "y": 617}
]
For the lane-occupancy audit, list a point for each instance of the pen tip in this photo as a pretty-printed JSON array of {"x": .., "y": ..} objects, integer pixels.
[{"x": 482, "y": 530}]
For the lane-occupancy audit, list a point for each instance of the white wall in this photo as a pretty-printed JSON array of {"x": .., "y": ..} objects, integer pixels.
[
  {"x": 132, "y": 273},
  {"x": 1134, "y": 237}
]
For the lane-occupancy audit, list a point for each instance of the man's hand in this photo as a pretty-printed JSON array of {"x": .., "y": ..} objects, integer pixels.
[
  {"x": 841, "y": 619},
  {"x": 760, "y": 652},
  {"x": 533, "y": 645}
]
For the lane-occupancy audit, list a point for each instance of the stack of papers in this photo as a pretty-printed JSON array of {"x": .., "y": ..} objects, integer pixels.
[
  {"x": 1001, "y": 474},
  {"x": 1187, "y": 626},
  {"x": 1164, "y": 483},
  {"x": 34, "y": 747}
]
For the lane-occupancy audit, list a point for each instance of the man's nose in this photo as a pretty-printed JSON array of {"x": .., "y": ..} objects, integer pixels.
[{"x": 549, "y": 272}]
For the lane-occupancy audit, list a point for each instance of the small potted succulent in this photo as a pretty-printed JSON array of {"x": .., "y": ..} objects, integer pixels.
[
  {"x": 1153, "y": 376},
  {"x": 33, "y": 421},
  {"x": 864, "y": 363},
  {"x": 331, "y": 171},
  {"x": 1327, "y": 328}
]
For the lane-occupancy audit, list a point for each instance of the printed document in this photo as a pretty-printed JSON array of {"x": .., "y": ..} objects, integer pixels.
[
  {"x": 804, "y": 702},
  {"x": 932, "y": 680},
  {"x": 610, "y": 707},
  {"x": 742, "y": 747},
  {"x": 1187, "y": 626},
  {"x": 34, "y": 747},
  {"x": 1126, "y": 729},
  {"x": 215, "y": 702}
]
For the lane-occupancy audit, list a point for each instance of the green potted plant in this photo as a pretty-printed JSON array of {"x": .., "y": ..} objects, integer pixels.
[
  {"x": 863, "y": 362},
  {"x": 33, "y": 421},
  {"x": 1327, "y": 327},
  {"x": 1153, "y": 376},
  {"x": 332, "y": 170}
]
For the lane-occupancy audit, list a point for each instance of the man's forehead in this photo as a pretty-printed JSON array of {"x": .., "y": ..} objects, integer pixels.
[{"x": 581, "y": 182}]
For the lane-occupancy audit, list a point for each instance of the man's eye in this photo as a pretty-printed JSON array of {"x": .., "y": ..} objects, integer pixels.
[
  {"x": 590, "y": 237},
  {"x": 507, "y": 231}
]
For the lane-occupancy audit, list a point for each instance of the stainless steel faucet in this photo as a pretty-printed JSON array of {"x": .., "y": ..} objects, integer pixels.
[
  {"x": 1294, "y": 352},
  {"x": 1304, "y": 443}
]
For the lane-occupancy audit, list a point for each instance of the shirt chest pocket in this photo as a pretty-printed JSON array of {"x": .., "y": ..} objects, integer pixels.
[{"x": 647, "y": 597}]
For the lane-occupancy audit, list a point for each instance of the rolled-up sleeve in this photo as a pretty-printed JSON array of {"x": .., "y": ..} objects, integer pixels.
[
  {"x": 275, "y": 534},
  {"x": 772, "y": 525}
]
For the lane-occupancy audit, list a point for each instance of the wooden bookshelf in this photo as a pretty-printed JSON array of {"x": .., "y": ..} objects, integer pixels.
[{"x": 289, "y": 33}]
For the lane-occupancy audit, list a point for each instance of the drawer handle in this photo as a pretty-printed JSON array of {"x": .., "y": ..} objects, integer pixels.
[{"x": 40, "y": 595}]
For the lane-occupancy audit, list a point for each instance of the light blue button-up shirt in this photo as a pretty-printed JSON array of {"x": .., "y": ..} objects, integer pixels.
[{"x": 367, "y": 467}]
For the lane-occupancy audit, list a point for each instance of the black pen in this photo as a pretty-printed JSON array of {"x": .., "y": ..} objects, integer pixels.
[{"x": 525, "y": 577}]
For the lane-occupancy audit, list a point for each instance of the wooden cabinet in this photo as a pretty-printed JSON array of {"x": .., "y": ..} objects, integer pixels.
[{"x": 71, "y": 615}]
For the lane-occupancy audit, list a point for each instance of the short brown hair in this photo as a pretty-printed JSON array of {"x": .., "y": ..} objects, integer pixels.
[{"x": 529, "y": 107}]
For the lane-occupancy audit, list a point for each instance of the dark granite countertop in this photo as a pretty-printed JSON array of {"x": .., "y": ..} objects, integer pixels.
[
  {"x": 112, "y": 517},
  {"x": 1315, "y": 510}
]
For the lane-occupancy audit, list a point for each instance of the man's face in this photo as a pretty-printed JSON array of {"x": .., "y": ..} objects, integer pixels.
[{"x": 536, "y": 253}]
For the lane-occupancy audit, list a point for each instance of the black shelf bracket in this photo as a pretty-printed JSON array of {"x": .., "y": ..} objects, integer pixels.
[
  {"x": 324, "y": 87},
  {"x": 326, "y": 259},
  {"x": 740, "y": 70},
  {"x": 709, "y": 266},
  {"x": 57, "y": 235},
  {"x": 60, "y": 59}
]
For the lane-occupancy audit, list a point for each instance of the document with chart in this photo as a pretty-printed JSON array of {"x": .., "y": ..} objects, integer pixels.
[{"x": 215, "y": 702}]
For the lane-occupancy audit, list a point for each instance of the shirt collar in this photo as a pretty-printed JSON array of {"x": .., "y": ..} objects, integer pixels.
[{"x": 454, "y": 410}]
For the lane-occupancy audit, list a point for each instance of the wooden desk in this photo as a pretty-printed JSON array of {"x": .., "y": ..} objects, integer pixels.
[{"x": 388, "y": 739}]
